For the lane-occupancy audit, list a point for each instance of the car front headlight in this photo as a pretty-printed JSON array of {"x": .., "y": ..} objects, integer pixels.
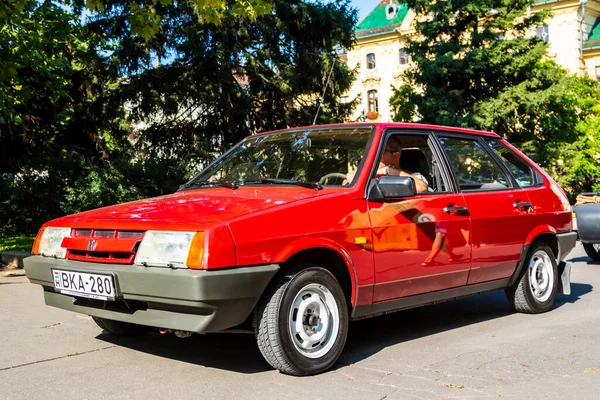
[
  {"x": 170, "y": 249},
  {"x": 50, "y": 242}
]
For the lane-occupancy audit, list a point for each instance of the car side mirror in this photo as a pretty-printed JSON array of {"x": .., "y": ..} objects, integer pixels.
[{"x": 391, "y": 187}]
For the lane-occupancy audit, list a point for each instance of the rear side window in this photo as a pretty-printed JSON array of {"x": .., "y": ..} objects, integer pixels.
[
  {"x": 474, "y": 167},
  {"x": 522, "y": 172}
]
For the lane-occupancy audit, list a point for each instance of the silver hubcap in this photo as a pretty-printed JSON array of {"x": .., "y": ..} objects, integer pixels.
[
  {"x": 314, "y": 321},
  {"x": 541, "y": 276}
]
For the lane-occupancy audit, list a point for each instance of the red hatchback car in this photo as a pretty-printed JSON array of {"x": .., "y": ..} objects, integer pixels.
[{"x": 297, "y": 232}]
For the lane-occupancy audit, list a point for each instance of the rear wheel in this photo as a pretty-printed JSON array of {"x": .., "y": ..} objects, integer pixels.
[
  {"x": 536, "y": 288},
  {"x": 302, "y": 322},
  {"x": 120, "y": 328},
  {"x": 592, "y": 250}
]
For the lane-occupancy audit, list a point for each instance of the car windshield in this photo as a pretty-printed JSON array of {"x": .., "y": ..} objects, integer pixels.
[{"x": 323, "y": 157}]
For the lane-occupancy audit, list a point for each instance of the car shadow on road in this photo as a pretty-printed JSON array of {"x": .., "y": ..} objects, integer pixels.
[
  {"x": 584, "y": 259},
  {"x": 368, "y": 337},
  {"x": 239, "y": 352},
  {"x": 227, "y": 351}
]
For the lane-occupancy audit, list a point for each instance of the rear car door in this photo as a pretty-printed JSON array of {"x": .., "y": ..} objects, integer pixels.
[
  {"x": 547, "y": 207},
  {"x": 420, "y": 244},
  {"x": 501, "y": 212}
]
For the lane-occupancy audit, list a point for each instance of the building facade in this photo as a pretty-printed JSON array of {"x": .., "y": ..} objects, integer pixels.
[{"x": 572, "y": 33}]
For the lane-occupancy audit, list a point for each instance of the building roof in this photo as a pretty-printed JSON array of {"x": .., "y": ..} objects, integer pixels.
[
  {"x": 381, "y": 20},
  {"x": 593, "y": 39}
]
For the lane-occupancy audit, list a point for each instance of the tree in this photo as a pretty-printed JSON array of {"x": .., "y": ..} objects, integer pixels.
[
  {"x": 466, "y": 51},
  {"x": 63, "y": 137},
  {"x": 145, "y": 18},
  {"x": 555, "y": 118},
  {"x": 55, "y": 87},
  {"x": 197, "y": 87}
]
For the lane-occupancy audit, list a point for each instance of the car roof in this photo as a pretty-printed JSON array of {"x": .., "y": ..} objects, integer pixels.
[{"x": 391, "y": 125}]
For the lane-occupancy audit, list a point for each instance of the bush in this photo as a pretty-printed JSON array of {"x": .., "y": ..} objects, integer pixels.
[{"x": 71, "y": 184}]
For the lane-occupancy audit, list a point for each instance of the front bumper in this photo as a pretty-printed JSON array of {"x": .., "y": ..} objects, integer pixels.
[{"x": 183, "y": 299}]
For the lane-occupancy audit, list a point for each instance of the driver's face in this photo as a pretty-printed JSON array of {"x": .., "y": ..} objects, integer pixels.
[{"x": 391, "y": 155}]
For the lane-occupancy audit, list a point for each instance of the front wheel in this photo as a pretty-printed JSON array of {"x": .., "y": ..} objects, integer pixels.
[
  {"x": 592, "y": 250},
  {"x": 302, "y": 322},
  {"x": 536, "y": 288}
]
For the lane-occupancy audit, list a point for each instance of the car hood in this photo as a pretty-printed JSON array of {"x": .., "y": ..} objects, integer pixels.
[{"x": 187, "y": 209}]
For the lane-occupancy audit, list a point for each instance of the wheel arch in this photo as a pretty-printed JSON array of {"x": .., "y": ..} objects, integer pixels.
[
  {"x": 545, "y": 234},
  {"x": 327, "y": 255}
]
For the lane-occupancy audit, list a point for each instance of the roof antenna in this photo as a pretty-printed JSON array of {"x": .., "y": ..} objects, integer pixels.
[{"x": 338, "y": 51}]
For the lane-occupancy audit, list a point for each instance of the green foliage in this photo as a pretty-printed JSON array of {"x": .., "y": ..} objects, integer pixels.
[
  {"x": 404, "y": 109},
  {"x": 70, "y": 184},
  {"x": 145, "y": 18},
  {"x": 219, "y": 83},
  {"x": 544, "y": 107},
  {"x": 18, "y": 243},
  {"x": 56, "y": 91},
  {"x": 561, "y": 131},
  {"x": 467, "y": 51}
]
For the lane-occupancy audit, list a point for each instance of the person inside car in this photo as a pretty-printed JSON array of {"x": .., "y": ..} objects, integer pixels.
[{"x": 390, "y": 165}]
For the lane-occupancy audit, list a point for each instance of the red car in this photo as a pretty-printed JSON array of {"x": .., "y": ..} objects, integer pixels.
[{"x": 297, "y": 232}]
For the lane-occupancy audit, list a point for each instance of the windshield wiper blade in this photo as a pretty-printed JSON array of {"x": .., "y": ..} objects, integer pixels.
[
  {"x": 230, "y": 185},
  {"x": 309, "y": 185}
]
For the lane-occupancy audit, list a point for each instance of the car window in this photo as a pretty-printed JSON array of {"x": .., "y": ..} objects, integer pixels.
[
  {"x": 412, "y": 154},
  {"x": 319, "y": 155},
  {"x": 522, "y": 172},
  {"x": 474, "y": 167}
]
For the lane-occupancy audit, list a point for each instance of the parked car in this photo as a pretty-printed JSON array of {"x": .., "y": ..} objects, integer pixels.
[
  {"x": 295, "y": 233},
  {"x": 587, "y": 212}
]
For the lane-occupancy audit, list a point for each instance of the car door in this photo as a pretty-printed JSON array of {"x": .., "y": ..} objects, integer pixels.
[
  {"x": 420, "y": 244},
  {"x": 500, "y": 211},
  {"x": 532, "y": 182}
]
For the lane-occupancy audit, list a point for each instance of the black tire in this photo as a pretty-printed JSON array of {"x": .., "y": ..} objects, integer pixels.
[
  {"x": 120, "y": 328},
  {"x": 592, "y": 251},
  {"x": 275, "y": 319},
  {"x": 521, "y": 294}
]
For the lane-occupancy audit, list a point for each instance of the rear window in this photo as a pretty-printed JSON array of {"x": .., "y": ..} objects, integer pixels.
[
  {"x": 473, "y": 166},
  {"x": 522, "y": 171}
]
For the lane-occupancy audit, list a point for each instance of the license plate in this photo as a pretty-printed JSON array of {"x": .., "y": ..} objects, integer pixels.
[{"x": 81, "y": 284}]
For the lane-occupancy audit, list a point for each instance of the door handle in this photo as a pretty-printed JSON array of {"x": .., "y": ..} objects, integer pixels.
[
  {"x": 456, "y": 210},
  {"x": 523, "y": 205}
]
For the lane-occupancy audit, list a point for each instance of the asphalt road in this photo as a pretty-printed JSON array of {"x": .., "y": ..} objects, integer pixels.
[{"x": 471, "y": 348}]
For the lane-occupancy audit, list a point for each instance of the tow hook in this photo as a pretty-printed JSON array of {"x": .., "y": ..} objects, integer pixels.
[{"x": 178, "y": 333}]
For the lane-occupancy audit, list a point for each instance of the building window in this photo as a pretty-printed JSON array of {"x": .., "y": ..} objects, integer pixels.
[
  {"x": 543, "y": 33},
  {"x": 370, "y": 61},
  {"x": 404, "y": 57},
  {"x": 373, "y": 102},
  {"x": 598, "y": 73},
  {"x": 391, "y": 11}
]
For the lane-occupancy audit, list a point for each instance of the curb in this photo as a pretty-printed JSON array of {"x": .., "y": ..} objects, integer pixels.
[{"x": 13, "y": 259}]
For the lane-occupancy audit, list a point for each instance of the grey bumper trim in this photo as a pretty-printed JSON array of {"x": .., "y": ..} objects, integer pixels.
[{"x": 185, "y": 299}]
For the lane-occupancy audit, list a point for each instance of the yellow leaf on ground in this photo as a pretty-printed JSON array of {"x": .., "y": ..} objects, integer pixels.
[{"x": 453, "y": 386}]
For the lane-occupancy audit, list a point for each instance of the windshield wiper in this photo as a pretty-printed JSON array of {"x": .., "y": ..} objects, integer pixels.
[
  {"x": 310, "y": 185},
  {"x": 230, "y": 185}
]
